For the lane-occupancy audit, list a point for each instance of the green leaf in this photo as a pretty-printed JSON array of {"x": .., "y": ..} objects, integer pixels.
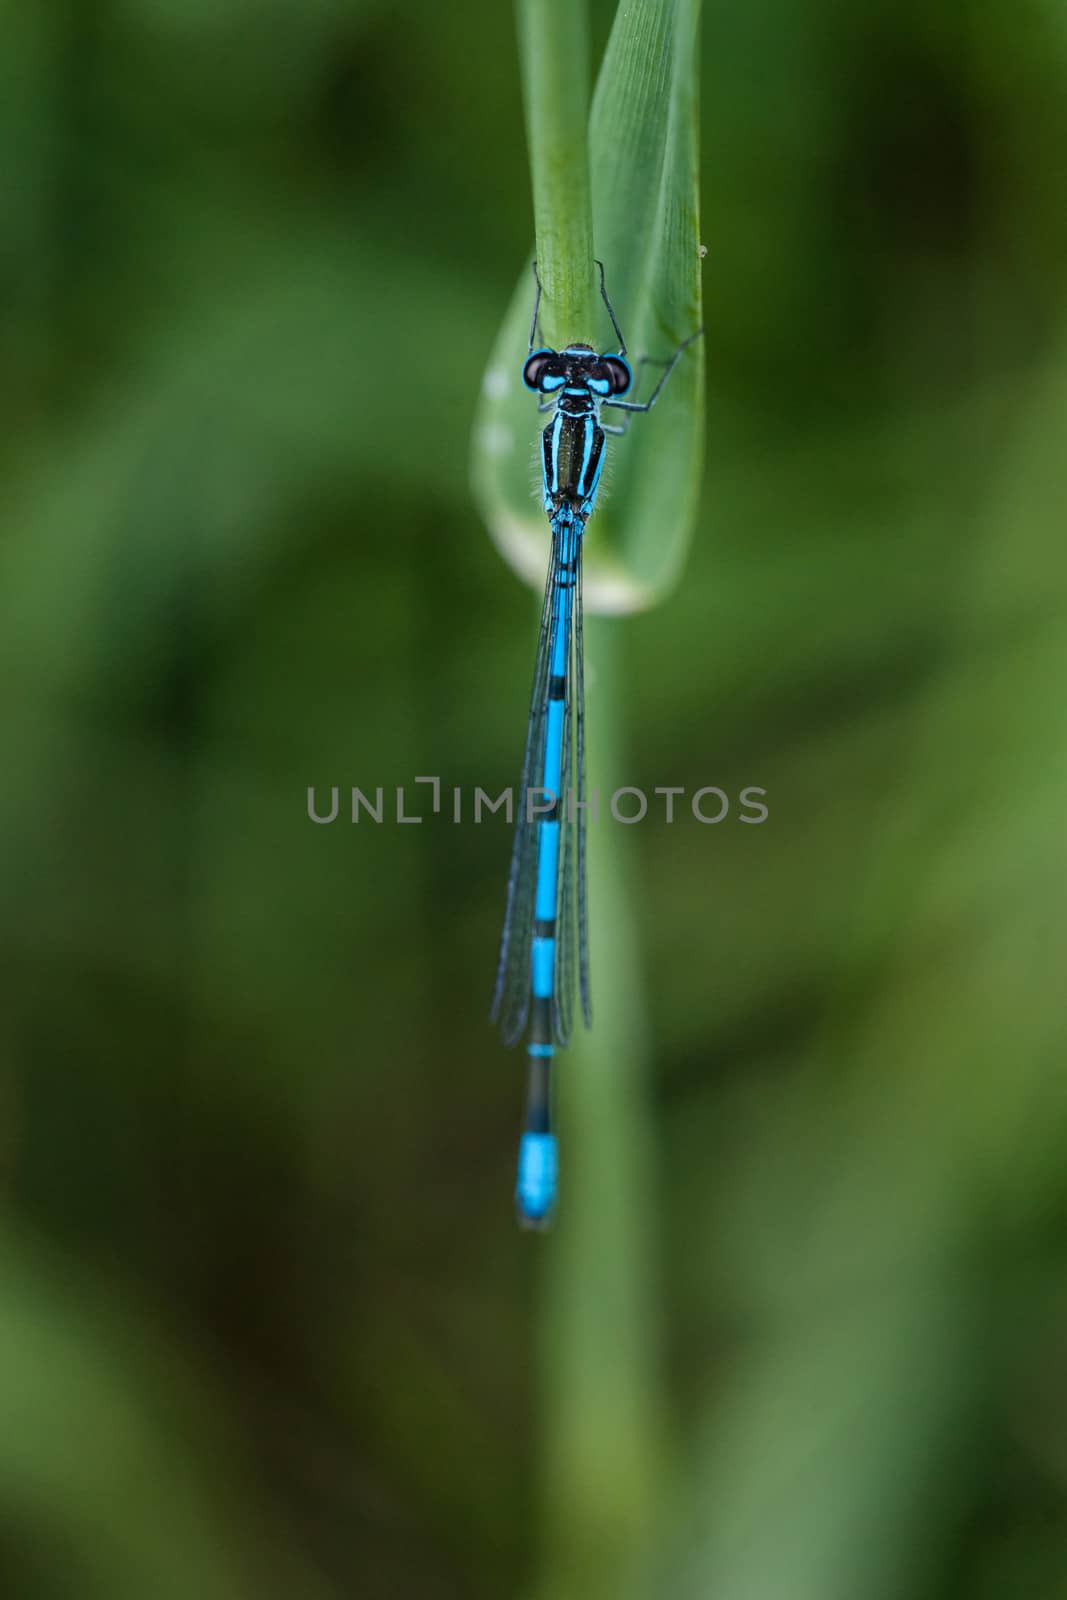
[
  {"x": 639, "y": 165},
  {"x": 621, "y": 185}
]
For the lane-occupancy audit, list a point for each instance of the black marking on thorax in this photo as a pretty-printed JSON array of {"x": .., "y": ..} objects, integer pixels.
[{"x": 573, "y": 447}]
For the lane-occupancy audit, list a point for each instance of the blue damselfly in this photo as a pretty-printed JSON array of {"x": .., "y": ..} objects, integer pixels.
[{"x": 544, "y": 944}]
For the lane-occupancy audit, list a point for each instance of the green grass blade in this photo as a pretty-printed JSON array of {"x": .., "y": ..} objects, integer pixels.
[
  {"x": 605, "y": 1441},
  {"x": 644, "y": 155},
  {"x": 640, "y": 164},
  {"x": 633, "y": 169},
  {"x": 554, "y": 51}
]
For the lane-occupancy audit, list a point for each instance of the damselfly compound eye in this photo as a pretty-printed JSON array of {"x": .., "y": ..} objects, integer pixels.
[
  {"x": 619, "y": 373},
  {"x": 536, "y": 366}
]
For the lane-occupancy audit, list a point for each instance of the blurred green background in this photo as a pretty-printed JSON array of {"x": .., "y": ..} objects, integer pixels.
[{"x": 266, "y": 1325}]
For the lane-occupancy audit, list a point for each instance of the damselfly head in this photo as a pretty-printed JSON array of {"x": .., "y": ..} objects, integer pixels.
[{"x": 579, "y": 364}]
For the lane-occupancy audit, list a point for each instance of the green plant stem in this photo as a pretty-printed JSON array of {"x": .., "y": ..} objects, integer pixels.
[
  {"x": 600, "y": 1344},
  {"x": 598, "y": 1339},
  {"x": 554, "y": 49}
]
